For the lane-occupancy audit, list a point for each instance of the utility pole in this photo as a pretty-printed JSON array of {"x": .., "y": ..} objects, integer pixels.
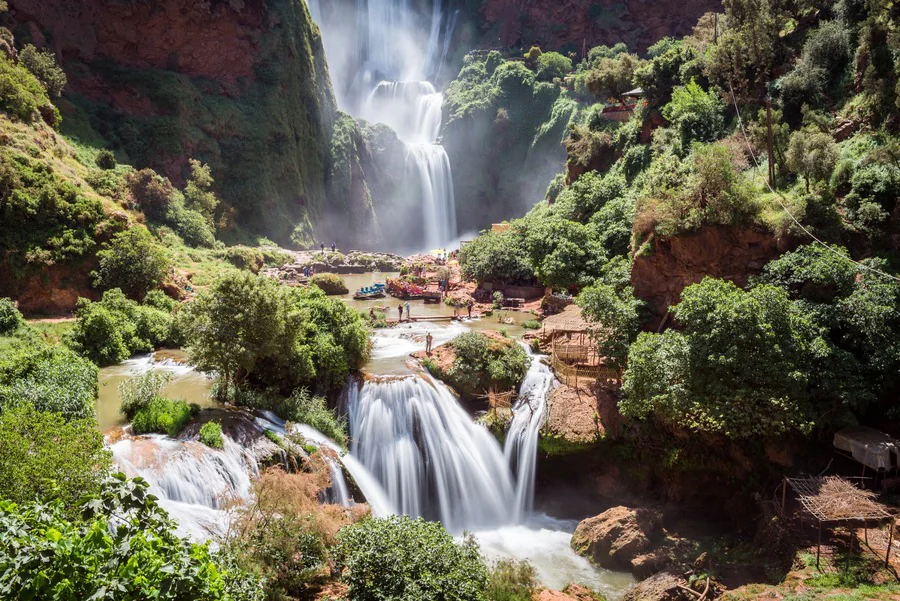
[{"x": 770, "y": 143}]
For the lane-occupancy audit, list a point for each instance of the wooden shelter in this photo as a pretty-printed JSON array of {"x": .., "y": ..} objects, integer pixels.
[
  {"x": 837, "y": 502},
  {"x": 573, "y": 351}
]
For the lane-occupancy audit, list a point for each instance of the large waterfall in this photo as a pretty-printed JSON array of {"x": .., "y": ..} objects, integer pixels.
[
  {"x": 380, "y": 62},
  {"x": 432, "y": 460}
]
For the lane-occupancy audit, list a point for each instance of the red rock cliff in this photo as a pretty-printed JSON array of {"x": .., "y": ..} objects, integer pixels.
[
  {"x": 586, "y": 23},
  {"x": 718, "y": 251}
]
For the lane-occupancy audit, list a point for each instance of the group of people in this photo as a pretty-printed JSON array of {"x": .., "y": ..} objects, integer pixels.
[
  {"x": 322, "y": 246},
  {"x": 309, "y": 271}
]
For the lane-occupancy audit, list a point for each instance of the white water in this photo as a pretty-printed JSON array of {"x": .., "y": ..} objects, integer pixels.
[
  {"x": 429, "y": 456},
  {"x": 194, "y": 483},
  {"x": 522, "y": 436},
  {"x": 381, "y": 66}
]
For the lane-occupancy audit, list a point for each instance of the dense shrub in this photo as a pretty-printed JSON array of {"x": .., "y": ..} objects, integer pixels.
[
  {"x": 193, "y": 227},
  {"x": 43, "y": 456},
  {"x": 137, "y": 392},
  {"x": 133, "y": 262},
  {"x": 552, "y": 65},
  {"x": 150, "y": 192},
  {"x": 59, "y": 381},
  {"x": 124, "y": 543},
  {"x": 211, "y": 435},
  {"x": 253, "y": 331},
  {"x": 511, "y": 580},
  {"x": 695, "y": 113},
  {"x": 485, "y": 363},
  {"x": 873, "y": 195},
  {"x": 10, "y": 318},
  {"x": 22, "y": 96},
  {"x": 162, "y": 416},
  {"x": 612, "y": 76},
  {"x": 330, "y": 283},
  {"x": 244, "y": 257},
  {"x": 44, "y": 218},
  {"x": 399, "y": 557},
  {"x": 812, "y": 154},
  {"x": 113, "y": 329},
  {"x": 198, "y": 192},
  {"x": 106, "y": 159},
  {"x": 43, "y": 65},
  {"x": 618, "y": 313}
]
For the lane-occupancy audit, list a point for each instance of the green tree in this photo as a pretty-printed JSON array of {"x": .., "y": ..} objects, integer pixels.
[
  {"x": 696, "y": 113},
  {"x": 483, "y": 364},
  {"x": 43, "y": 65},
  {"x": 741, "y": 366},
  {"x": 133, "y": 262},
  {"x": 617, "y": 314},
  {"x": 612, "y": 77},
  {"x": 811, "y": 154},
  {"x": 198, "y": 192},
  {"x": 10, "y": 318},
  {"x": 495, "y": 257},
  {"x": 44, "y": 457},
  {"x": 399, "y": 558},
  {"x": 150, "y": 192},
  {"x": 552, "y": 65}
]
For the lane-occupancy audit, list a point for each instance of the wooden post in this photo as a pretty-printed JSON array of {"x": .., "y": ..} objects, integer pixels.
[
  {"x": 887, "y": 556},
  {"x": 819, "y": 545},
  {"x": 770, "y": 143},
  {"x": 783, "y": 494}
]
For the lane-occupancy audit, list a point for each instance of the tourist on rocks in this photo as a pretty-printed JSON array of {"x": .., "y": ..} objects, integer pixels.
[
  {"x": 469, "y": 307},
  {"x": 322, "y": 246},
  {"x": 399, "y": 313},
  {"x": 372, "y": 313},
  {"x": 428, "y": 340},
  {"x": 407, "y": 310},
  {"x": 332, "y": 247}
]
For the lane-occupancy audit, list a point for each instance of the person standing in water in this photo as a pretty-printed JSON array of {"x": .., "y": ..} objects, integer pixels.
[
  {"x": 469, "y": 307},
  {"x": 407, "y": 310},
  {"x": 399, "y": 313},
  {"x": 428, "y": 339}
]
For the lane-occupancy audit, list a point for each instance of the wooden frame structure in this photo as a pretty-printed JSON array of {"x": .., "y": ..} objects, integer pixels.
[
  {"x": 573, "y": 351},
  {"x": 833, "y": 500}
]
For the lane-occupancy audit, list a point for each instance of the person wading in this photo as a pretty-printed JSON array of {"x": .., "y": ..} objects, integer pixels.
[
  {"x": 469, "y": 307},
  {"x": 428, "y": 339},
  {"x": 399, "y": 313}
]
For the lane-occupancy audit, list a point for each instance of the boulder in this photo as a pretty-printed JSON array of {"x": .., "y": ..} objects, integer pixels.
[
  {"x": 573, "y": 592},
  {"x": 661, "y": 587},
  {"x": 617, "y": 536}
]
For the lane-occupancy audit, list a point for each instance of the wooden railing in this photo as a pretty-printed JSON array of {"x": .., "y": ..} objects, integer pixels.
[{"x": 571, "y": 374}]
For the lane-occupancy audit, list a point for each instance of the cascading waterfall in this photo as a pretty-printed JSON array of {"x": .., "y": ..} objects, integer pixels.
[
  {"x": 430, "y": 458},
  {"x": 384, "y": 81},
  {"x": 193, "y": 482},
  {"x": 522, "y": 436}
]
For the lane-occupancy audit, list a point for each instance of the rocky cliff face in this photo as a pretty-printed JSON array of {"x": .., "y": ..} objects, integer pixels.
[
  {"x": 579, "y": 24},
  {"x": 660, "y": 274},
  {"x": 240, "y": 84}
]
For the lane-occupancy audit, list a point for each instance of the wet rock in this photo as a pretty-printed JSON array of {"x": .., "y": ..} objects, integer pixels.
[
  {"x": 617, "y": 536},
  {"x": 661, "y": 587}
]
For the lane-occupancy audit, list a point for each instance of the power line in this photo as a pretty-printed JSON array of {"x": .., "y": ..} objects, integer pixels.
[{"x": 791, "y": 215}]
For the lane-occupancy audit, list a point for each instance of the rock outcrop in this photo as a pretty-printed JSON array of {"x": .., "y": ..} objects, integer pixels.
[
  {"x": 617, "y": 536},
  {"x": 672, "y": 264},
  {"x": 576, "y": 24},
  {"x": 582, "y": 416},
  {"x": 660, "y": 587}
]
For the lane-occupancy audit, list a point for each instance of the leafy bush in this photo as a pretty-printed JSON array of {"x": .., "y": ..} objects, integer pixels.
[
  {"x": 244, "y": 257},
  {"x": 695, "y": 113},
  {"x": 404, "y": 558},
  {"x": 511, "y": 580},
  {"x": 106, "y": 159},
  {"x": 157, "y": 299},
  {"x": 44, "y": 456},
  {"x": 113, "y": 329},
  {"x": 133, "y": 262},
  {"x": 211, "y": 435},
  {"x": 330, "y": 283},
  {"x": 57, "y": 381},
  {"x": 124, "y": 542},
  {"x": 812, "y": 154},
  {"x": 137, "y": 392},
  {"x": 198, "y": 192},
  {"x": 618, "y": 312},
  {"x": 42, "y": 65},
  {"x": 552, "y": 65},
  {"x": 191, "y": 225},
  {"x": 162, "y": 416},
  {"x": 532, "y": 324},
  {"x": 612, "y": 76},
  {"x": 485, "y": 363},
  {"x": 151, "y": 192},
  {"x": 10, "y": 318},
  {"x": 22, "y": 96}
]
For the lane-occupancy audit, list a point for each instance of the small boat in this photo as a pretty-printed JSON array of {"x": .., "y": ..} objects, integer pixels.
[{"x": 370, "y": 293}]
